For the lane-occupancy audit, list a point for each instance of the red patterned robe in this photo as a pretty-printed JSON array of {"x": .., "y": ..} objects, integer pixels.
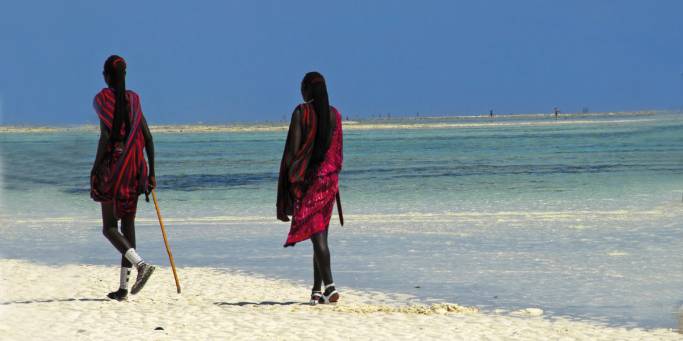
[
  {"x": 123, "y": 175},
  {"x": 309, "y": 197}
]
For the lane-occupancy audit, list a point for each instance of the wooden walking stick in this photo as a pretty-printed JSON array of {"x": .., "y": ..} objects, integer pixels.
[{"x": 163, "y": 233}]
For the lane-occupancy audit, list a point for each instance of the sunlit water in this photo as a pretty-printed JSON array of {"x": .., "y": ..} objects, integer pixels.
[{"x": 580, "y": 217}]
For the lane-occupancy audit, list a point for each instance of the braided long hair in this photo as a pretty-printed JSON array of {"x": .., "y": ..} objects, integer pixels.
[
  {"x": 314, "y": 85},
  {"x": 115, "y": 70}
]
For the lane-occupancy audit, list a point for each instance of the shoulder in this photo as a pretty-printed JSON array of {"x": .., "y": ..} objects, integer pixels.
[
  {"x": 104, "y": 93},
  {"x": 303, "y": 107},
  {"x": 134, "y": 100},
  {"x": 132, "y": 94},
  {"x": 336, "y": 112},
  {"x": 306, "y": 110},
  {"x": 103, "y": 99},
  {"x": 301, "y": 111}
]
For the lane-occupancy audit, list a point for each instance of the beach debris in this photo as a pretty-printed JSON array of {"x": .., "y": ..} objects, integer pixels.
[
  {"x": 159, "y": 328},
  {"x": 528, "y": 312},
  {"x": 440, "y": 308}
]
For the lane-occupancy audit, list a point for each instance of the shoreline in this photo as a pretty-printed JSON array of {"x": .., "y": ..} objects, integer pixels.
[
  {"x": 399, "y": 122},
  {"x": 68, "y": 302}
]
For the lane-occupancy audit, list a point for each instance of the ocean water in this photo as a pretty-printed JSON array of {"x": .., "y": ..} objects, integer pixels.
[{"x": 580, "y": 216}]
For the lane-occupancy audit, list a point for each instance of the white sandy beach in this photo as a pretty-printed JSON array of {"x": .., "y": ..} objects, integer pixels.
[{"x": 39, "y": 302}]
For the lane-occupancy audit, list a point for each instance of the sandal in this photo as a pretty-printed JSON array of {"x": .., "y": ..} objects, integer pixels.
[
  {"x": 119, "y": 295},
  {"x": 330, "y": 296},
  {"x": 315, "y": 297}
]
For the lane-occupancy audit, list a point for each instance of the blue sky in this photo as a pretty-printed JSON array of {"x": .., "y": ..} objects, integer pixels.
[{"x": 227, "y": 61}]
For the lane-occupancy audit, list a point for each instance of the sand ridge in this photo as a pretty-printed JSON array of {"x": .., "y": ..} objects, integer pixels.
[
  {"x": 41, "y": 302},
  {"x": 400, "y": 123}
]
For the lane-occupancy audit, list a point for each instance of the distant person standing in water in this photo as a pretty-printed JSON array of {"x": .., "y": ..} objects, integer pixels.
[
  {"x": 309, "y": 179},
  {"x": 119, "y": 174},
  {"x": 557, "y": 113}
]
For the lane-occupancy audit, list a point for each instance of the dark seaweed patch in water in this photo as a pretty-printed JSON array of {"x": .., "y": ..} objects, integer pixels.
[
  {"x": 196, "y": 182},
  {"x": 488, "y": 170},
  {"x": 76, "y": 190},
  {"x": 14, "y": 178}
]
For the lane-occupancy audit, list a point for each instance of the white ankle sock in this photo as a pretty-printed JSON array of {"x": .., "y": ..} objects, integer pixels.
[
  {"x": 125, "y": 275},
  {"x": 133, "y": 257}
]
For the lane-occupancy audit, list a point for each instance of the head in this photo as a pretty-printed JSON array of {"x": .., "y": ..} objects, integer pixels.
[
  {"x": 115, "y": 76},
  {"x": 314, "y": 90}
]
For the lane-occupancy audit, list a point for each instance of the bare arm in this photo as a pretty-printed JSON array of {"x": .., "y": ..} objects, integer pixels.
[
  {"x": 294, "y": 140},
  {"x": 149, "y": 146},
  {"x": 292, "y": 146}
]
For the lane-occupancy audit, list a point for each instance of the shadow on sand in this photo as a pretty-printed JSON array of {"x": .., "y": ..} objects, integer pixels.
[
  {"x": 264, "y": 303},
  {"x": 56, "y": 300}
]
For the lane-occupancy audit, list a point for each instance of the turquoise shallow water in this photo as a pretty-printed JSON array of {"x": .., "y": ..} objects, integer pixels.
[{"x": 580, "y": 216}]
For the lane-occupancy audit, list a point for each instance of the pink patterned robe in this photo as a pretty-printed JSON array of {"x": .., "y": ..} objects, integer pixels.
[{"x": 310, "y": 197}]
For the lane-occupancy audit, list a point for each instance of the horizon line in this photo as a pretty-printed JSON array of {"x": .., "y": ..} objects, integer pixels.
[{"x": 367, "y": 118}]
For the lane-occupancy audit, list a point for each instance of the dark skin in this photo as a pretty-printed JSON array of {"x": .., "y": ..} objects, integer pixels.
[
  {"x": 126, "y": 240},
  {"x": 322, "y": 271}
]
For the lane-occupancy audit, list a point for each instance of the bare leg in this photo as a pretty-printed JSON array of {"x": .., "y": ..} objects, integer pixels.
[
  {"x": 122, "y": 244},
  {"x": 144, "y": 270},
  {"x": 128, "y": 229},
  {"x": 321, "y": 254},
  {"x": 317, "y": 280},
  {"x": 111, "y": 231}
]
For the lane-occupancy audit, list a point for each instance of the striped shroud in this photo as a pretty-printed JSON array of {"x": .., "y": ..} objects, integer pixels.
[{"x": 124, "y": 171}]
